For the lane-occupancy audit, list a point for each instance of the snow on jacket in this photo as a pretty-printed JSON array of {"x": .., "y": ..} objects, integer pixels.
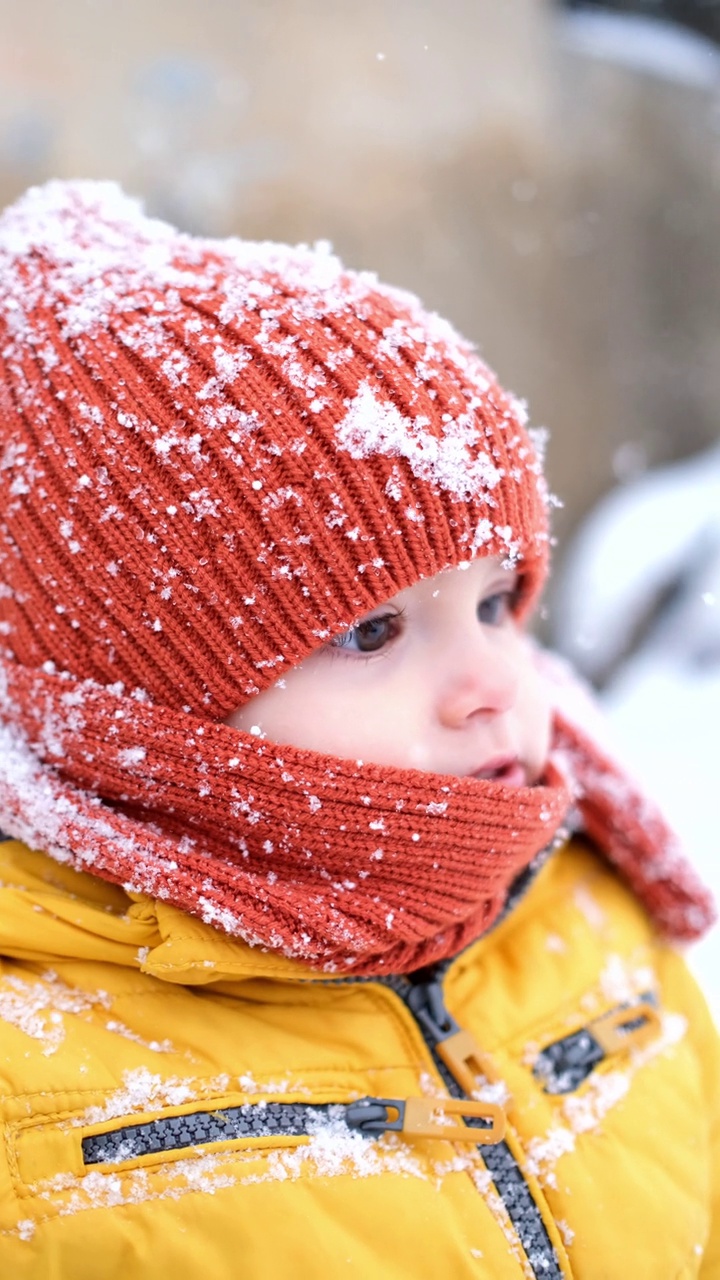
[{"x": 175, "y": 1103}]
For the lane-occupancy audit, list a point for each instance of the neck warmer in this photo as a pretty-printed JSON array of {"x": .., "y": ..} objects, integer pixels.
[{"x": 346, "y": 866}]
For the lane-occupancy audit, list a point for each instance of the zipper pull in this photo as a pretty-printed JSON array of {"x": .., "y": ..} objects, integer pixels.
[
  {"x": 457, "y": 1048},
  {"x": 627, "y": 1027},
  {"x": 428, "y": 1118},
  {"x": 563, "y": 1065}
]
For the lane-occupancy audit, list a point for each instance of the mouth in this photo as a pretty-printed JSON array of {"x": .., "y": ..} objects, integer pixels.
[{"x": 506, "y": 769}]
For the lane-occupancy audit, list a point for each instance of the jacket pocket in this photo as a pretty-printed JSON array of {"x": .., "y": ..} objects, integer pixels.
[
  {"x": 563, "y": 1065},
  {"x": 65, "y": 1146}
]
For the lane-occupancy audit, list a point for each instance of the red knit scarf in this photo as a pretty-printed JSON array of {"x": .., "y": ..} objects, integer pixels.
[{"x": 346, "y": 866}]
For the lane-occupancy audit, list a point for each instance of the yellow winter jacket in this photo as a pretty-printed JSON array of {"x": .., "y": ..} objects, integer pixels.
[{"x": 177, "y": 1104}]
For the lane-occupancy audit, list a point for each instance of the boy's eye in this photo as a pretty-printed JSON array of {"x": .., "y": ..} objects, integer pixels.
[
  {"x": 494, "y": 609},
  {"x": 369, "y": 636}
]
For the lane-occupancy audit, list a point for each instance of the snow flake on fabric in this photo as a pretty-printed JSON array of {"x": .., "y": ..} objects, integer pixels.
[
  {"x": 70, "y": 1194},
  {"x": 450, "y": 461},
  {"x": 143, "y": 1090},
  {"x": 37, "y": 1008},
  {"x": 94, "y": 278},
  {"x": 584, "y": 1112}
]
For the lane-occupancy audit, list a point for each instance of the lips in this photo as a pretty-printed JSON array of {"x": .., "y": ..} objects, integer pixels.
[{"x": 506, "y": 769}]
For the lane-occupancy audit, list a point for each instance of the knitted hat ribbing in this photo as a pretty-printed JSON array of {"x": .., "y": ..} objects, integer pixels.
[{"x": 217, "y": 454}]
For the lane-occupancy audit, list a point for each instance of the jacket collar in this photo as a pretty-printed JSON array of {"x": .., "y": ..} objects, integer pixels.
[{"x": 50, "y": 913}]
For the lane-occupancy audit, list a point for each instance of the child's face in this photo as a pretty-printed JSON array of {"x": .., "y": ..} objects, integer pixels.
[{"x": 440, "y": 678}]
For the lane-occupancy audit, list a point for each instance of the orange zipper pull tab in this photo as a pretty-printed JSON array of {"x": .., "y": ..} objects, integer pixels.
[
  {"x": 457, "y": 1048},
  {"x": 465, "y": 1061},
  {"x": 428, "y": 1118},
  {"x": 626, "y": 1028}
]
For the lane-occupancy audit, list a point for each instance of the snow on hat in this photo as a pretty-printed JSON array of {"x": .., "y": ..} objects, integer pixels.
[{"x": 217, "y": 454}]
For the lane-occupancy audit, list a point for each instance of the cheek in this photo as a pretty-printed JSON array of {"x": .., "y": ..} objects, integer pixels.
[
  {"x": 281, "y": 712},
  {"x": 330, "y": 706},
  {"x": 536, "y": 713},
  {"x": 534, "y": 705}
]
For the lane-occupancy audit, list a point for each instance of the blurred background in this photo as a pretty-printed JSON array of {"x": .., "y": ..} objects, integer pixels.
[{"x": 545, "y": 174}]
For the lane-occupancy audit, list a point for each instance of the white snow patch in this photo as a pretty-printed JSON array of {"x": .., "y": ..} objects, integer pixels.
[
  {"x": 143, "y": 1091},
  {"x": 451, "y": 461},
  {"x": 37, "y": 1008}
]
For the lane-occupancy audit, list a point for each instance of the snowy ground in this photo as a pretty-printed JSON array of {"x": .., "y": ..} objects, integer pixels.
[{"x": 638, "y": 609}]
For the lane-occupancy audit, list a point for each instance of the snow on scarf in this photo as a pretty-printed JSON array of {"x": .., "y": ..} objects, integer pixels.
[{"x": 347, "y": 867}]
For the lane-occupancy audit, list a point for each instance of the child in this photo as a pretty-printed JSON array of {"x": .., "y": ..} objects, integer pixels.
[{"x": 304, "y": 976}]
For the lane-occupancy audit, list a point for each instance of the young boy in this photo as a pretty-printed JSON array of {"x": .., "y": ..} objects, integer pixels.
[{"x": 303, "y": 975}]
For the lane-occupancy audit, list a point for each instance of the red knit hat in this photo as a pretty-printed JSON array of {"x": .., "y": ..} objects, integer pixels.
[{"x": 217, "y": 454}]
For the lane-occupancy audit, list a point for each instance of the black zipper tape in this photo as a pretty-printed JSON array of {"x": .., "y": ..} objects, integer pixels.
[
  {"x": 197, "y": 1128},
  {"x": 564, "y": 1064},
  {"x": 426, "y": 1002}
]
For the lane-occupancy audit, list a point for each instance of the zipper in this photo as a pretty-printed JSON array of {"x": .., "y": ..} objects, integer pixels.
[
  {"x": 564, "y": 1064},
  {"x": 413, "y": 1117},
  {"x": 197, "y": 1128},
  {"x": 462, "y": 1066}
]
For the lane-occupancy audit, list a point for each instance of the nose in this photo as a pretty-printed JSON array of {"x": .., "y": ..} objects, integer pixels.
[{"x": 480, "y": 681}]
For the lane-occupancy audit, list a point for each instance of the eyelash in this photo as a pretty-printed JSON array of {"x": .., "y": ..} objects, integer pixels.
[
  {"x": 343, "y": 642},
  {"x": 507, "y": 599}
]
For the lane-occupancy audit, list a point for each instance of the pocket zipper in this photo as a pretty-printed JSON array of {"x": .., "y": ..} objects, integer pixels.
[
  {"x": 564, "y": 1065},
  {"x": 413, "y": 1117}
]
